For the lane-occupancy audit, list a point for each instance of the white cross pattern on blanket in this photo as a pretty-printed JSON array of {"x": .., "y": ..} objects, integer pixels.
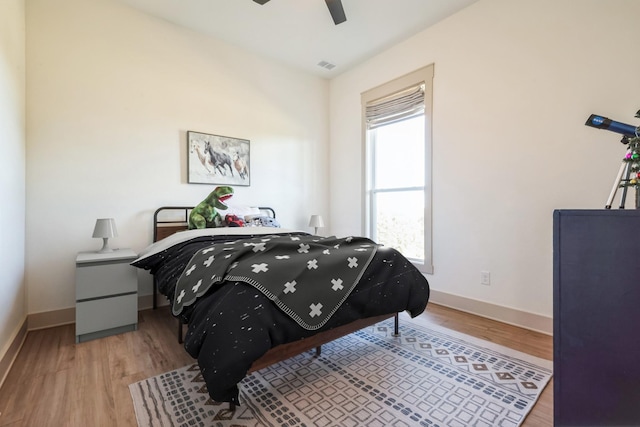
[
  {"x": 208, "y": 261},
  {"x": 290, "y": 287},
  {"x": 337, "y": 284},
  {"x": 258, "y": 268},
  {"x": 312, "y": 264},
  {"x": 315, "y": 310},
  {"x": 304, "y": 248},
  {"x": 353, "y": 262},
  {"x": 197, "y": 286},
  {"x": 259, "y": 247}
]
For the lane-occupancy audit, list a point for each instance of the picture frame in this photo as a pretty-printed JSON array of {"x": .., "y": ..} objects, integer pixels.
[{"x": 217, "y": 159}]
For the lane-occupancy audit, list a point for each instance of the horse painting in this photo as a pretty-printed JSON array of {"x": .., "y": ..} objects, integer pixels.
[{"x": 218, "y": 159}]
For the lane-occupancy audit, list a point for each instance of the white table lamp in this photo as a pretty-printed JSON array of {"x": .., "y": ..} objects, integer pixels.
[
  {"x": 105, "y": 228},
  {"x": 316, "y": 222}
]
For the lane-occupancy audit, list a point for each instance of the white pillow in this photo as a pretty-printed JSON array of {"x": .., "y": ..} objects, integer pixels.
[{"x": 240, "y": 210}]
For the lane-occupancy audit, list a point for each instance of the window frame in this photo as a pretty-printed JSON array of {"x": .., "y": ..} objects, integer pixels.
[{"x": 425, "y": 76}]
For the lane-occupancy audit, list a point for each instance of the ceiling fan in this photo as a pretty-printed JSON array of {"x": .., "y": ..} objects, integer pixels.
[{"x": 335, "y": 9}]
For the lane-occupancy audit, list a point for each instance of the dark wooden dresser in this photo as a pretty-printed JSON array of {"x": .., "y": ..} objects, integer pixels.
[{"x": 596, "y": 317}]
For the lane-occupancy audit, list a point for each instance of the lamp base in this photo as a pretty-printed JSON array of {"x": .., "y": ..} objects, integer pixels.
[{"x": 105, "y": 246}]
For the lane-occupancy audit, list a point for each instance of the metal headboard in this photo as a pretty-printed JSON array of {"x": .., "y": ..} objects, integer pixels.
[{"x": 181, "y": 219}]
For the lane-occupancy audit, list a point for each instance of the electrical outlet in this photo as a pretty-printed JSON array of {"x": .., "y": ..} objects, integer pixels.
[{"x": 485, "y": 278}]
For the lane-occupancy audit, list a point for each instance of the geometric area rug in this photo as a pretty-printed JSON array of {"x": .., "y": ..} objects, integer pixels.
[{"x": 431, "y": 377}]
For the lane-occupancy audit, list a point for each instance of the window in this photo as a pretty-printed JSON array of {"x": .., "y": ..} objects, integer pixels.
[{"x": 397, "y": 146}]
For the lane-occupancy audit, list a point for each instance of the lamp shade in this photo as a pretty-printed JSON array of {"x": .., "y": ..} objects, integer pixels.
[
  {"x": 105, "y": 228},
  {"x": 316, "y": 221}
]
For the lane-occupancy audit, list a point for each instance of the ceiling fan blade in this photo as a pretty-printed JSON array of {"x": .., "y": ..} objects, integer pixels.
[
  {"x": 261, "y": 1},
  {"x": 336, "y": 10}
]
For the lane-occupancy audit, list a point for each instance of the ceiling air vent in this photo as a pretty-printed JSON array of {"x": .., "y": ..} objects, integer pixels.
[{"x": 327, "y": 65}]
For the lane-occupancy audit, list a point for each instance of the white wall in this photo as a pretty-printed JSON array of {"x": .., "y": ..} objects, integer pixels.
[
  {"x": 12, "y": 169},
  {"x": 515, "y": 80},
  {"x": 110, "y": 95}
]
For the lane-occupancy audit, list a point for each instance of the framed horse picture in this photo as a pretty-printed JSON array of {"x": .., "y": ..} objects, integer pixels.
[{"x": 216, "y": 159}]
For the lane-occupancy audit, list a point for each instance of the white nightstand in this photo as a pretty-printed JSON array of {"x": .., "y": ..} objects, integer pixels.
[{"x": 106, "y": 294}]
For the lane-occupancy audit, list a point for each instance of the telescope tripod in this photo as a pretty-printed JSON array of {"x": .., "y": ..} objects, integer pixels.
[{"x": 625, "y": 170}]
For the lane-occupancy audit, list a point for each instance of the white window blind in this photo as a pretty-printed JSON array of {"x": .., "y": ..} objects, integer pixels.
[{"x": 401, "y": 105}]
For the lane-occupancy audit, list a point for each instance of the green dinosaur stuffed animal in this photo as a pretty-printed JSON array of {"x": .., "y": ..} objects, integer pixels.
[{"x": 205, "y": 214}]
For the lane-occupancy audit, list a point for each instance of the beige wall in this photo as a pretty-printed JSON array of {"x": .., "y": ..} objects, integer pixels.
[
  {"x": 515, "y": 80},
  {"x": 12, "y": 171},
  {"x": 111, "y": 93}
]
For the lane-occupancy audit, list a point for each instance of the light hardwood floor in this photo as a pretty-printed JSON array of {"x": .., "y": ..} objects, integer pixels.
[{"x": 55, "y": 382}]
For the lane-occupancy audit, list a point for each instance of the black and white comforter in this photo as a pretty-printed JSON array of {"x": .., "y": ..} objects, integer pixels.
[{"x": 234, "y": 323}]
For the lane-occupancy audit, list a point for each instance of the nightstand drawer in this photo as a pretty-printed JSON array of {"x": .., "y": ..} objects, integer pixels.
[
  {"x": 95, "y": 280},
  {"x": 106, "y": 313}
]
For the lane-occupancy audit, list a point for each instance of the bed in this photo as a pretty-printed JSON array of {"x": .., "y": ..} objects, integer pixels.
[{"x": 237, "y": 319}]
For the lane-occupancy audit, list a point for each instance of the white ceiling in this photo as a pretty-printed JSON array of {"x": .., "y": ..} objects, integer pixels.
[{"x": 301, "y": 33}]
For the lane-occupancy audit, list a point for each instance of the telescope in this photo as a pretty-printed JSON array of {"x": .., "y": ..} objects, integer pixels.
[
  {"x": 601, "y": 122},
  {"x": 623, "y": 179}
]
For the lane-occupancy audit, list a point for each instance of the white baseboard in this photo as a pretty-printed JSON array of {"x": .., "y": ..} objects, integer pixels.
[
  {"x": 523, "y": 319},
  {"x": 12, "y": 350},
  {"x": 511, "y": 316},
  {"x": 50, "y": 319}
]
